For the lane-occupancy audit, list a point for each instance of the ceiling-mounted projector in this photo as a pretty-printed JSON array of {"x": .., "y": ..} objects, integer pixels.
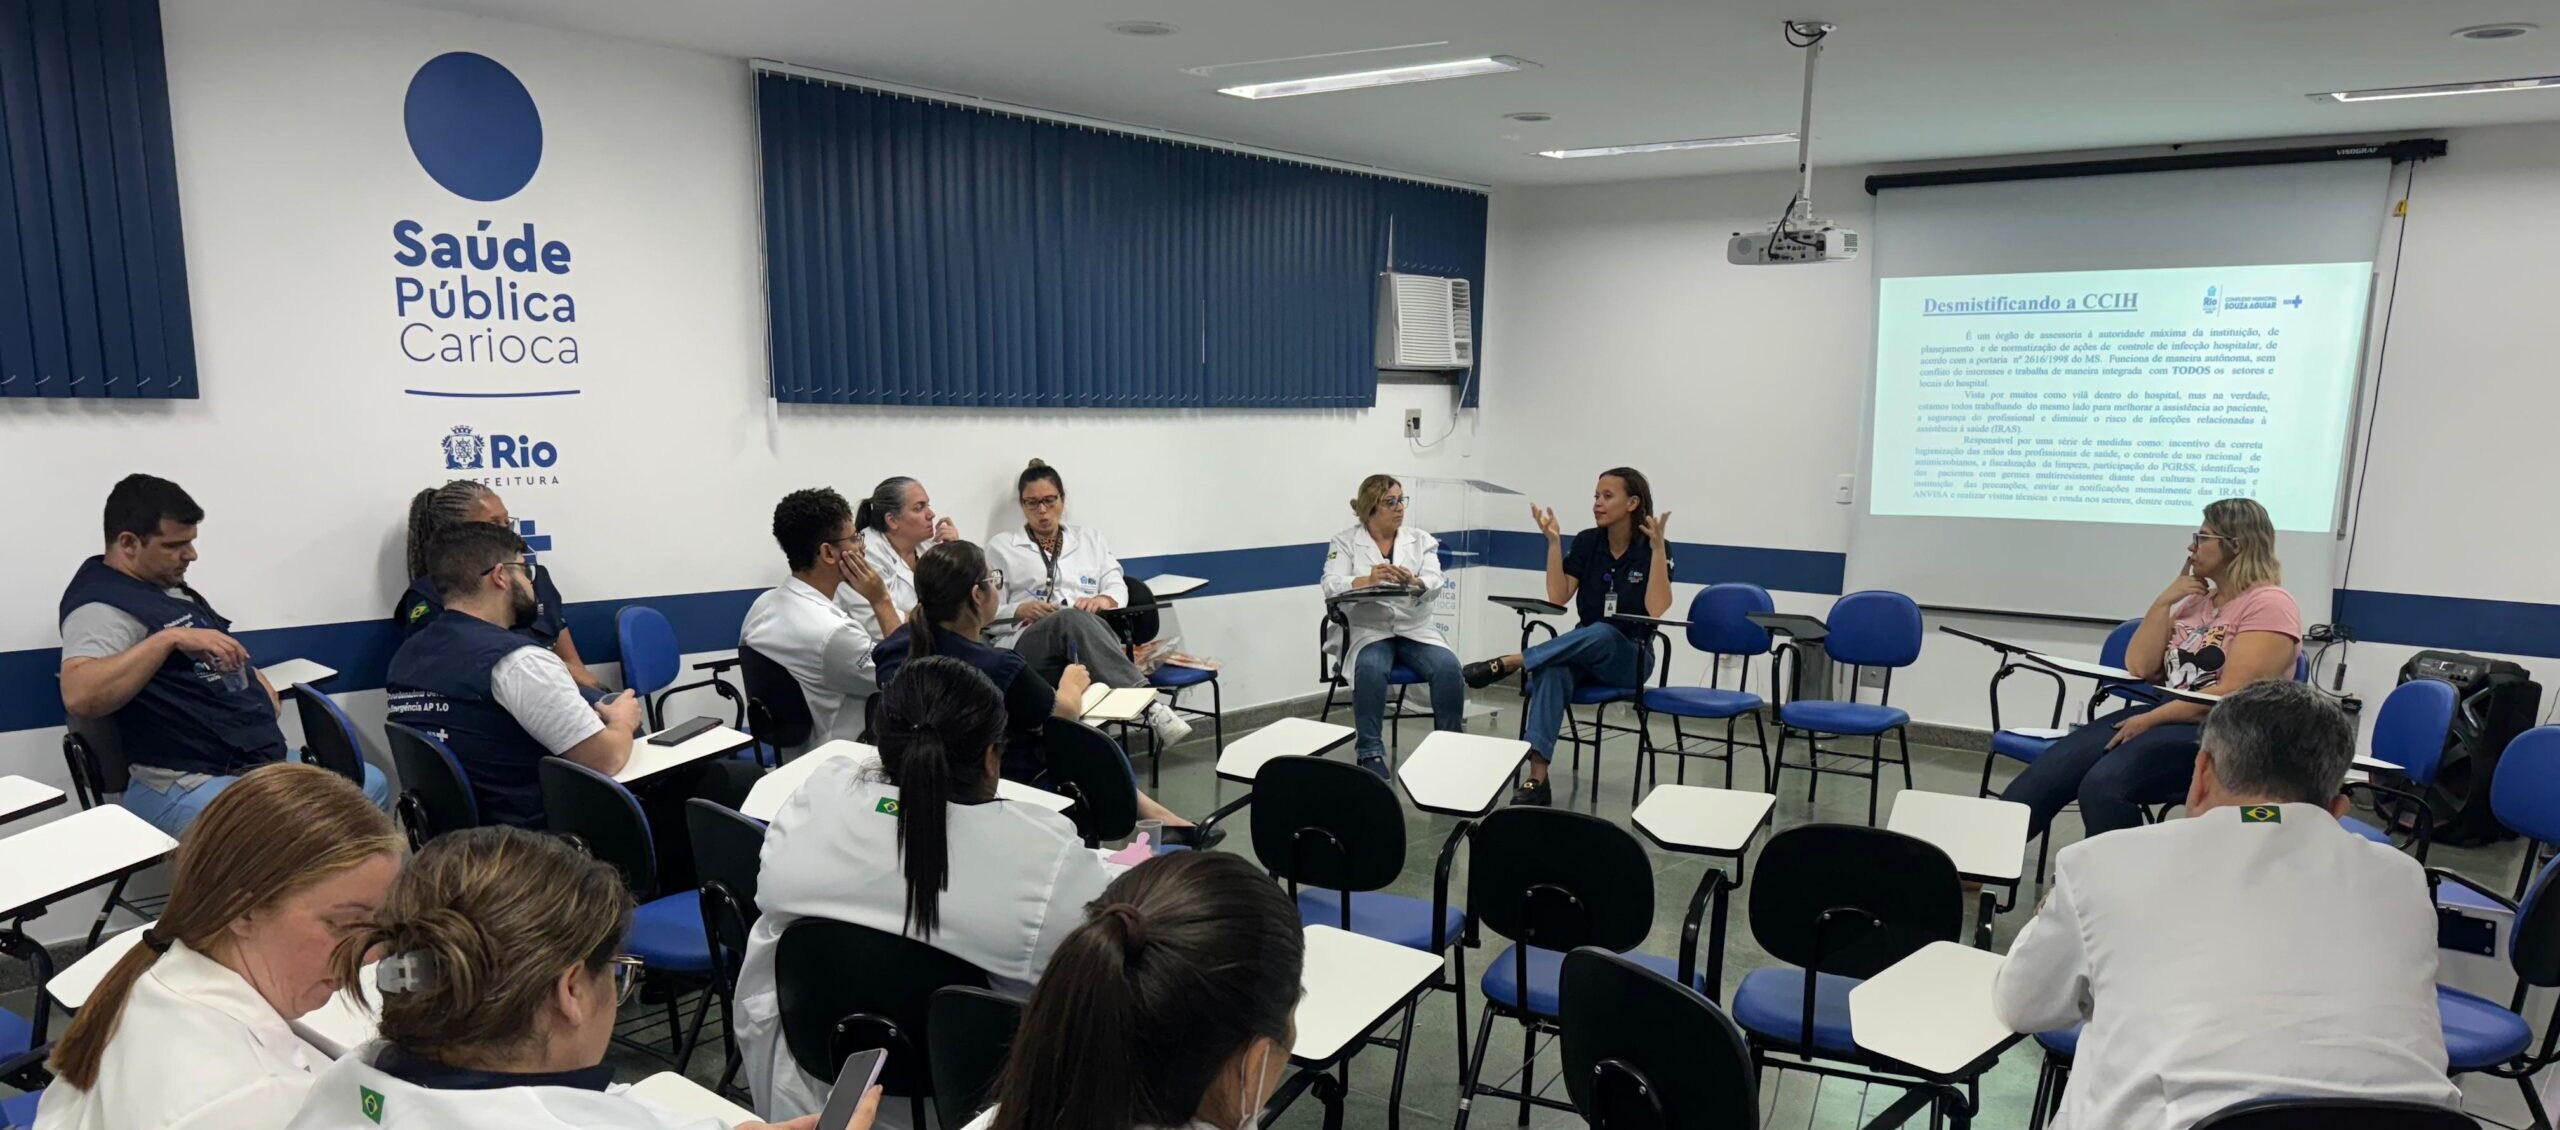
[{"x": 1798, "y": 236}]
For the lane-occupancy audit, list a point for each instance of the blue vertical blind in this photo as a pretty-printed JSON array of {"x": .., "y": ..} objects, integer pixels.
[
  {"x": 93, "y": 273},
  {"x": 923, "y": 253}
]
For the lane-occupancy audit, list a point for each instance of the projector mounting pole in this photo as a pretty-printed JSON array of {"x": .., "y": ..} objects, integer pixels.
[{"x": 1813, "y": 31}]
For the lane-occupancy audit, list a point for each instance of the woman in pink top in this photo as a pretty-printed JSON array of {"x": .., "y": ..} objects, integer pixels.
[{"x": 2223, "y": 623}]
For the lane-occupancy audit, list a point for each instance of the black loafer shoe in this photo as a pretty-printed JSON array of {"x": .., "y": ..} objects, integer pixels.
[
  {"x": 1483, "y": 673},
  {"x": 1535, "y": 794}
]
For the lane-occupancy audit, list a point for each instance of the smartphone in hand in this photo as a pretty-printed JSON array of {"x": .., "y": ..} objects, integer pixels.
[{"x": 861, "y": 1070}]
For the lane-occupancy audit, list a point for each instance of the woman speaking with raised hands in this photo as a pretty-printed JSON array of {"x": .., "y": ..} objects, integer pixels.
[{"x": 1621, "y": 564}]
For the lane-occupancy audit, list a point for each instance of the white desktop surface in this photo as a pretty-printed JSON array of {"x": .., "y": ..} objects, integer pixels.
[
  {"x": 2366, "y": 762},
  {"x": 1986, "y": 836},
  {"x": 1285, "y": 737},
  {"x": 1695, "y": 818},
  {"x": 1167, "y": 586},
  {"x": 681, "y": 1096},
  {"x": 72, "y": 985},
  {"x": 294, "y": 672},
  {"x": 2079, "y": 667},
  {"x": 1458, "y": 774},
  {"x": 2200, "y": 698},
  {"x": 647, "y": 760},
  {"x": 1932, "y": 1010},
  {"x": 22, "y": 795},
  {"x": 1017, "y": 791},
  {"x": 1352, "y": 982},
  {"x": 339, "y": 1026},
  {"x": 74, "y": 853}
]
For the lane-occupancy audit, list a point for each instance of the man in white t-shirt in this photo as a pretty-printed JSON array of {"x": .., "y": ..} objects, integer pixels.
[
  {"x": 803, "y": 624},
  {"x": 2254, "y": 949}
]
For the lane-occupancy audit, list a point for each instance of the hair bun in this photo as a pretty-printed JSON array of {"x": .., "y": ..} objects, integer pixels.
[
  {"x": 1133, "y": 927},
  {"x": 1036, "y": 464}
]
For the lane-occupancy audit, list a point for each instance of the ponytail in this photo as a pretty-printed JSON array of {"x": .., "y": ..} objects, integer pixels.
[
  {"x": 937, "y": 720},
  {"x": 435, "y": 510},
  {"x": 1181, "y": 964},
  {"x": 947, "y": 579},
  {"x": 872, "y": 513},
  {"x": 919, "y": 633}
]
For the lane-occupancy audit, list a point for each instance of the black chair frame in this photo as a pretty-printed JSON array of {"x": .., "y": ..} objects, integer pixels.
[
  {"x": 1617, "y": 1017},
  {"x": 1601, "y": 727},
  {"x": 2052, "y": 1075},
  {"x": 776, "y": 709},
  {"x": 2011, "y": 665},
  {"x": 328, "y": 738},
  {"x": 728, "y": 908},
  {"x": 93, "y": 753},
  {"x": 435, "y": 791},
  {"x": 639, "y": 868},
  {"x": 1335, "y": 673},
  {"x": 1138, "y": 624},
  {"x": 1873, "y": 757},
  {"x": 2533, "y": 950},
  {"x": 1101, "y": 812},
  {"x": 895, "y": 979},
  {"x": 1711, "y": 747},
  {"x": 969, "y": 1035}
]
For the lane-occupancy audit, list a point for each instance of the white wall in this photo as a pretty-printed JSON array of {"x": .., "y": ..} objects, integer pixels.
[{"x": 1616, "y": 332}]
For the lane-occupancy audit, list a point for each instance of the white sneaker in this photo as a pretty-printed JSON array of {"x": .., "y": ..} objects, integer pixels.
[{"x": 1168, "y": 726}]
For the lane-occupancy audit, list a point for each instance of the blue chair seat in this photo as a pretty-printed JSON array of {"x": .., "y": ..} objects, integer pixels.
[
  {"x": 1595, "y": 695},
  {"x": 17, "y": 1036},
  {"x": 1545, "y": 967},
  {"x": 1701, "y": 702},
  {"x": 2479, "y": 1033},
  {"x": 2365, "y": 829},
  {"x": 20, "y": 1111},
  {"x": 1770, "y": 1003},
  {"x": 1828, "y": 716},
  {"x": 1401, "y": 675},
  {"x": 2020, "y": 747},
  {"x": 667, "y": 934},
  {"x": 1401, "y": 919},
  {"x": 2455, "y": 892},
  {"x": 2064, "y": 1043},
  {"x": 1176, "y": 676}
]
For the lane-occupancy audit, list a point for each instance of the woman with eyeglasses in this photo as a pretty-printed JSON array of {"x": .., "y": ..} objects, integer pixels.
[
  {"x": 1057, "y": 580},
  {"x": 461, "y": 502},
  {"x": 2224, "y": 622},
  {"x": 957, "y": 595},
  {"x": 916, "y": 843},
  {"x": 1393, "y": 629},
  {"x": 501, "y": 975}
]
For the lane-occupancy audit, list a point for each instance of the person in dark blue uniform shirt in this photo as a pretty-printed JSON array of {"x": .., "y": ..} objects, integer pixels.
[
  {"x": 141, "y": 648},
  {"x": 437, "y": 509}
]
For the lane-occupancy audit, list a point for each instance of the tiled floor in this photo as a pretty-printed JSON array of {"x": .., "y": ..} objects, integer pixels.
[{"x": 1788, "y": 1100}]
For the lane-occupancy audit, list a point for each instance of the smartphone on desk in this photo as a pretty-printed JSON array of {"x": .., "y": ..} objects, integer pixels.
[{"x": 861, "y": 1071}]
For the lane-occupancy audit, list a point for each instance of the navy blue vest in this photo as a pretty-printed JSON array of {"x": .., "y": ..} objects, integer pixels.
[
  {"x": 439, "y": 683},
  {"x": 420, "y": 605},
  {"x": 184, "y": 718}
]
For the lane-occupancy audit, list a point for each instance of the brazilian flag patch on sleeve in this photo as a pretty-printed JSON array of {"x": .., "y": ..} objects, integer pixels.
[
  {"x": 2262, "y": 814},
  {"x": 371, "y": 1101},
  {"x": 888, "y": 806}
]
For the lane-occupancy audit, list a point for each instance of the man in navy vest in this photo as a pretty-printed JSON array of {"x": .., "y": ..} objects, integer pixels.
[
  {"x": 501, "y": 701},
  {"x": 143, "y": 649}
]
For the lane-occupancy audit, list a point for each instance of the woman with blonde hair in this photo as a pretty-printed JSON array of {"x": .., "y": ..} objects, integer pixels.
[
  {"x": 1394, "y": 630},
  {"x": 501, "y": 973},
  {"x": 2224, "y": 622},
  {"x": 190, "y": 1030}
]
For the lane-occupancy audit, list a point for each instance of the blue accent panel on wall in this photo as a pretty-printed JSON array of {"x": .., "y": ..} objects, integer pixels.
[
  {"x": 918, "y": 252},
  {"x": 2455, "y": 623},
  {"x": 93, "y": 273},
  {"x": 1700, "y": 563}
]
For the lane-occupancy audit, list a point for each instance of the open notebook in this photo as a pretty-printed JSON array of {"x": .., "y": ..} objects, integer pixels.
[{"x": 1103, "y": 704}]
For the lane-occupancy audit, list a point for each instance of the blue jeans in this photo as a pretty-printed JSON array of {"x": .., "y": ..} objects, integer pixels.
[
  {"x": 172, "y": 811},
  {"x": 1438, "y": 666},
  {"x": 2153, "y": 767},
  {"x": 1593, "y": 653}
]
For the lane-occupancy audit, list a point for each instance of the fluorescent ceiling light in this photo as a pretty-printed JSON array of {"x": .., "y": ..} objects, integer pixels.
[
  {"x": 2383, "y": 94},
  {"x": 1392, "y": 76},
  {"x": 1671, "y": 146}
]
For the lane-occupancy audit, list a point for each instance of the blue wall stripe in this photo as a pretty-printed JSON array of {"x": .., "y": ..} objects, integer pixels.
[
  {"x": 2455, "y": 623},
  {"x": 1700, "y": 563}
]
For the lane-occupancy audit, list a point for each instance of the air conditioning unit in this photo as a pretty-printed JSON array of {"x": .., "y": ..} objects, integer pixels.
[{"x": 1425, "y": 322}]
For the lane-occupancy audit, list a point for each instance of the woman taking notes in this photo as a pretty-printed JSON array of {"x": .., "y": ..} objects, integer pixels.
[
  {"x": 189, "y": 1030},
  {"x": 1397, "y": 630},
  {"x": 1057, "y": 578},
  {"x": 1174, "y": 1005},
  {"x": 437, "y": 509},
  {"x": 1621, "y": 564},
  {"x": 500, "y": 978},
  {"x": 2223, "y": 623},
  {"x": 914, "y": 843}
]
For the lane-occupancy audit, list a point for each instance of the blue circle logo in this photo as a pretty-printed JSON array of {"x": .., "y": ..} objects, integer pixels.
[{"x": 473, "y": 126}]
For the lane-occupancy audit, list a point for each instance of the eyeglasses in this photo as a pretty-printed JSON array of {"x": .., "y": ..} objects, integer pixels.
[
  {"x": 625, "y": 970},
  {"x": 994, "y": 579},
  {"x": 1044, "y": 502},
  {"x": 2200, "y": 537},
  {"x": 527, "y": 566},
  {"x": 1396, "y": 501}
]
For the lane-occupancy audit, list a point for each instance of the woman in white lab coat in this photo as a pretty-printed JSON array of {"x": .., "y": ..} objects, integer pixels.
[
  {"x": 1058, "y": 579},
  {"x": 190, "y": 1029},
  {"x": 1174, "y": 1005},
  {"x": 500, "y": 982},
  {"x": 1382, "y": 552},
  {"x": 914, "y": 843}
]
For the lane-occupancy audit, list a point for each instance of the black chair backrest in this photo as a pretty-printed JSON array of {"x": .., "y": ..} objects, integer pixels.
[
  {"x": 1088, "y": 767},
  {"x": 432, "y": 783},
  {"x": 328, "y": 734},
  {"x": 2335, "y": 1114},
  {"x": 581, "y": 802},
  {"x": 1636, "y": 1042},
  {"x": 2533, "y": 948},
  {"x": 1327, "y": 824},
  {"x": 1141, "y": 627},
  {"x": 843, "y": 988},
  {"x": 94, "y": 752},
  {"x": 1887, "y": 895},
  {"x": 727, "y": 850},
  {"x": 1558, "y": 880},
  {"x": 972, "y": 1032},
  {"x": 777, "y": 709}
]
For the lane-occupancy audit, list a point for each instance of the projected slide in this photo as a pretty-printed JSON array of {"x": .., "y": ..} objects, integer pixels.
[{"x": 2116, "y": 396}]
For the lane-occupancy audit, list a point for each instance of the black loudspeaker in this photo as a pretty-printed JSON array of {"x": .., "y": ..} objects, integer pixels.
[{"x": 2497, "y": 700}]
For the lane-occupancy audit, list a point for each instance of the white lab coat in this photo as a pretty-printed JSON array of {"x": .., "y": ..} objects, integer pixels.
[
  {"x": 1348, "y": 560},
  {"x": 2217, "y": 961},
  {"x": 1085, "y": 568},
  {"x": 196, "y": 1049},
  {"x": 894, "y": 572},
  {"x": 796, "y": 626},
  {"x": 1019, "y": 882},
  {"x": 339, "y": 1102}
]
